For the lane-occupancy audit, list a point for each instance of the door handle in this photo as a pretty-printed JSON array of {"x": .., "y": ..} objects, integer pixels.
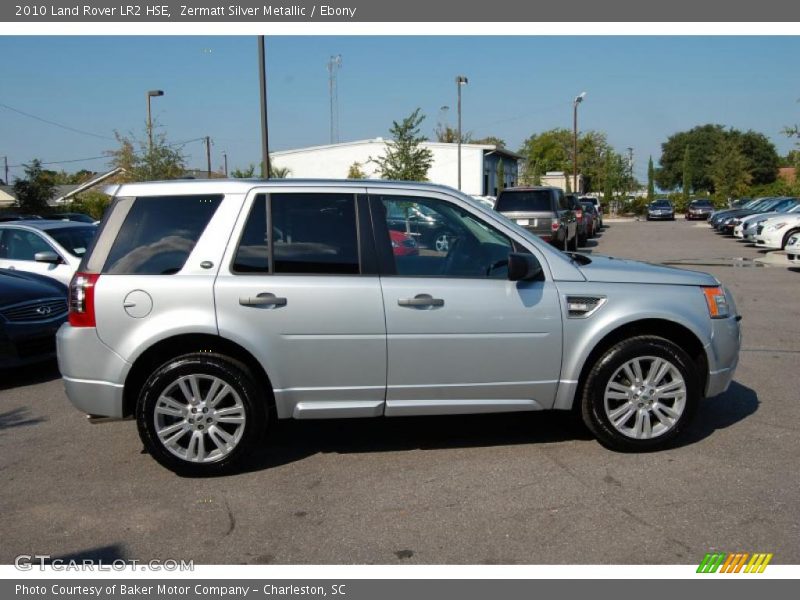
[
  {"x": 421, "y": 300},
  {"x": 262, "y": 299}
]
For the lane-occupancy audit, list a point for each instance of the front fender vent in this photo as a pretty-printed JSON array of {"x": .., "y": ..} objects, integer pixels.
[{"x": 580, "y": 307}]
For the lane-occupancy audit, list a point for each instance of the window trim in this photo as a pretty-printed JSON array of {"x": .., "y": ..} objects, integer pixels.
[
  {"x": 365, "y": 244},
  {"x": 387, "y": 265}
]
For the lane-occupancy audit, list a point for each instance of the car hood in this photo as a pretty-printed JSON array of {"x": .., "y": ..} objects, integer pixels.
[
  {"x": 16, "y": 287},
  {"x": 608, "y": 269}
]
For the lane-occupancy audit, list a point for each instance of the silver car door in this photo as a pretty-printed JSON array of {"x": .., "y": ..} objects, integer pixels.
[{"x": 460, "y": 336}]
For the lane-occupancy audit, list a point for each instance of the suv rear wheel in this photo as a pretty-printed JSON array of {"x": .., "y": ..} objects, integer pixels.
[
  {"x": 200, "y": 414},
  {"x": 640, "y": 394}
]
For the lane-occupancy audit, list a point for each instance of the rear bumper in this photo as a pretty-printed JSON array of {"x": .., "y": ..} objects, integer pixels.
[{"x": 94, "y": 375}]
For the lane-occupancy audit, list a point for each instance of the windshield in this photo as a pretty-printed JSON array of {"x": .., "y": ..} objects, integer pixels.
[
  {"x": 661, "y": 204},
  {"x": 701, "y": 204},
  {"x": 525, "y": 201},
  {"x": 74, "y": 240}
]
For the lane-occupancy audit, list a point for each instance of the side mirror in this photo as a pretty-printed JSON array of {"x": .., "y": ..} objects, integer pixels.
[
  {"x": 523, "y": 267},
  {"x": 47, "y": 257}
]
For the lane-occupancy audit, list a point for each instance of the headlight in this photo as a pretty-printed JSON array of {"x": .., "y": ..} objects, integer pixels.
[
  {"x": 717, "y": 302},
  {"x": 777, "y": 226}
]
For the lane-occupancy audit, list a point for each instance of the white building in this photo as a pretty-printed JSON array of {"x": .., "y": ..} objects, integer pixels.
[
  {"x": 479, "y": 163},
  {"x": 559, "y": 179}
]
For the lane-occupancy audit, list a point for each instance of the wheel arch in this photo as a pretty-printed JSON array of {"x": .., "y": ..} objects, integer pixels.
[
  {"x": 670, "y": 330},
  {"x": 171, "y": 347}
]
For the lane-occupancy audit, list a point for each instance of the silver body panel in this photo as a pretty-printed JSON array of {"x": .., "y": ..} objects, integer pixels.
[{"x": 342, "y": 346}]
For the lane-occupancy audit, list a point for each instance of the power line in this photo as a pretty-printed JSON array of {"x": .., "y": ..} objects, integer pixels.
[
  {"x": 43, "y": 120},
  {"x": 61, "y": 162}
]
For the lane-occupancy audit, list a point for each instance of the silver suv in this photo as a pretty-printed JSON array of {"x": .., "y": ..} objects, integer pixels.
[{"x": 205, "y": 308}]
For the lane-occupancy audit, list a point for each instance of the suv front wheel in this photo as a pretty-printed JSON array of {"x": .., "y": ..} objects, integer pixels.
[
  {"x": 640, "y": 394},
  {"x": 200, "y": 414}
]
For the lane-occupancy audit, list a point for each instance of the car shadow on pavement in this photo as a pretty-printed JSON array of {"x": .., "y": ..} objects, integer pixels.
[
  {"x": 106, "y": 554},
  {"x": 29, "y": 375},
  {"x": 720, "y": 412},
  {"x": 289, "y": 440},
  {"x": 18, "y": 417}
]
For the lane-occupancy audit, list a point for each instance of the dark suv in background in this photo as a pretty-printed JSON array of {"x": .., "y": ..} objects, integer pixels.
[{"x": 545, "y": 211}]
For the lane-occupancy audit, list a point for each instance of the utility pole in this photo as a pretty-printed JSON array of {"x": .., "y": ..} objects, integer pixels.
[
  {"x": 262, "y": 76},
  {"x": 5, "y": 161},
  {"x": 334, "y": 64},
  {"x": 208, "y": 155},
  {"x": 460, "y": 80},
  {"x": 225, "y": 159}
]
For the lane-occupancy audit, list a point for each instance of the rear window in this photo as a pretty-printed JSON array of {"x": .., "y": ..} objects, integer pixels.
[
  {"x": 159, "y": 233},
  {"x": 75, "y": 240},
  {"x": 525, "y": 201}
]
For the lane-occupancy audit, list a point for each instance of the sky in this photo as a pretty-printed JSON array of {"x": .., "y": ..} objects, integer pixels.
[{"x": 640, "y": 90}]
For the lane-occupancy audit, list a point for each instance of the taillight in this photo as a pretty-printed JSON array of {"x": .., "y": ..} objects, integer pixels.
[
  {"x": 81, "y": 299},
  {"x": 579, "y": 214},
  {"x": 555, "y": 225}
]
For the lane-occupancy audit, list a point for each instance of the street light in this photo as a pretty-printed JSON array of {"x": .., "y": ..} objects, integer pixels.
[
  {"x": 578, "y": 99},
  {"x": 460, "y": 80},
  {"x": 151, "y": 94}
]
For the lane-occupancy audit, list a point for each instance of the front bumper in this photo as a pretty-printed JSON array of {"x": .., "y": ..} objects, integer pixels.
[
  {"x": 94, "y": 375},
  {"x": 661, "y": 216},
  {"x": 27, "y": 343},
  {"x": 723, "y": 354}
]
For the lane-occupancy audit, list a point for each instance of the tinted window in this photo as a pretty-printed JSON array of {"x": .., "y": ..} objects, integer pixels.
[
  {"x": 252, "y": 255},
  {"x": 75, "y": 240},
  {"x": 524, "y": 201},
  {"x": 449, "y": 242},
  {"x": 701, "y": 203},
  {"x": 314, "y": 233},
  {"x": 18, "y": 244},
  {"x": 661, "y": 204},
  {"x": 159, "y": 233}
]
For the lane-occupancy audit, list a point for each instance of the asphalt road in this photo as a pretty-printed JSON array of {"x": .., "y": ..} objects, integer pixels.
[{"x": 529, "y": 488}]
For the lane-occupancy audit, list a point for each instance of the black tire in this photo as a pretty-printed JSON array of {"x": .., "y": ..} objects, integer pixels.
[
  {"x": 229, "y": 371},
  {"x": 592, "y": 405},
  {"x": 786, "y": 237}
]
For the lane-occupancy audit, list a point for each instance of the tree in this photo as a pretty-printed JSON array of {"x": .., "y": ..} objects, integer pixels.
[
  {"x": 91, "y": 202},
  {"x": 490, "y": 140},
  {"x": 651, "y": 188},
  {"x": 249, "y": 171},
  {"x": 536, "y": 174},
  {"x": 449, "y": 135},
  {"x": 552, "y": 151},
  {"x": 608, "y": 188},
  {"x": 729, "y": 171},
  {"x": 355, "y": 171},
  {"x": 687, "y": 173},
  {"x": 246, "y": 173},
  {"x": 143, "y": 163},
  {"x": 35, "y": 190},
  {"x": 405, "y": 159},
  {"x": 500, "y": 176},
  {"x": 760, "y": 154}
]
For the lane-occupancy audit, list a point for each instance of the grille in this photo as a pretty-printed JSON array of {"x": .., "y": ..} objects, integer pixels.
[{"x": 38, "y": 310}]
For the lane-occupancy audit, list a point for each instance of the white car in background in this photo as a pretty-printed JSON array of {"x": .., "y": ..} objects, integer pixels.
[
  {"x": 747, "y": 226},
  {"x": 51, "y": 248},
  {"x": 774, "y": 233},
  {"x": 793, "y": 248}
]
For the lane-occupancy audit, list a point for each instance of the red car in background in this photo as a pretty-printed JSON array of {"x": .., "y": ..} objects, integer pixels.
[{"x": 403, "y": 244}]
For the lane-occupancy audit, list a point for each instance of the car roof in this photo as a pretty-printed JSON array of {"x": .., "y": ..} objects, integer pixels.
[
  {"x": 243, "y": 186},
  {"x": 45, "y": 224}
]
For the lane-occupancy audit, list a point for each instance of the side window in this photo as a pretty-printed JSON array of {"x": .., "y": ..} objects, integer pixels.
[
  {"x": 159, "y": 233},
  {"x": 314, "y": 233},
  {"x": 563, "y": 204},
  {"x": 434, "y": 238},
  {"x": 23, "y": 245}
]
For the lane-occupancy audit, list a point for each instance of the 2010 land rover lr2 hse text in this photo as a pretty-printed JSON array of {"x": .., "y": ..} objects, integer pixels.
[{"x": 205, "y": 306}]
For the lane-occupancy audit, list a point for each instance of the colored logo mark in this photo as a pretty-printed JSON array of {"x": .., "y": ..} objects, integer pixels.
[{"x": 739, "y": 562}]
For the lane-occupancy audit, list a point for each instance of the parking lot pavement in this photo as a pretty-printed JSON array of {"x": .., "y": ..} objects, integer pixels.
[{"x": 529, "y": 488}]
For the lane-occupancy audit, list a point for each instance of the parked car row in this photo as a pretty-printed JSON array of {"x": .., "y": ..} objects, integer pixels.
[
  {"x": 564, "y": 220},
  {"x": 38, "y": 258},
  {"x": 66, "y": 216},
  {"x": 767, "y": 222}
]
